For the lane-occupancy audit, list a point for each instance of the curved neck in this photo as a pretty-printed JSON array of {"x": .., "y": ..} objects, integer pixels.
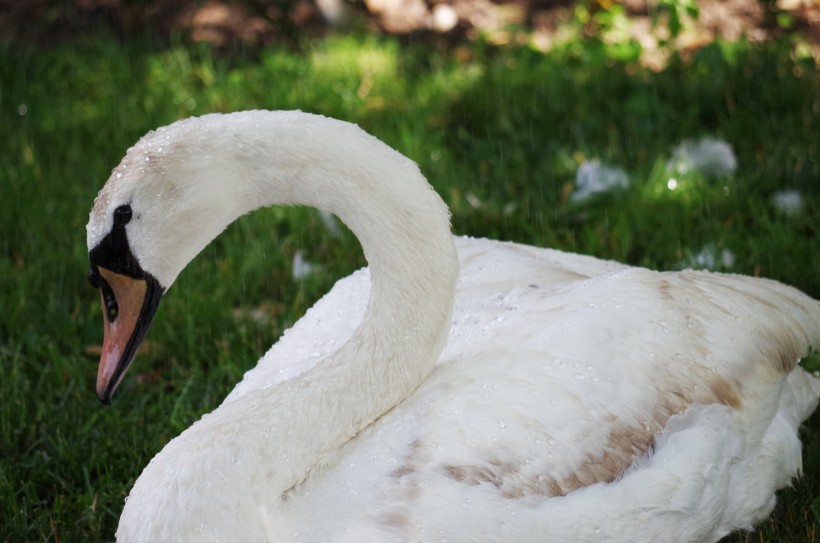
[{"x": 403, "y": 227}]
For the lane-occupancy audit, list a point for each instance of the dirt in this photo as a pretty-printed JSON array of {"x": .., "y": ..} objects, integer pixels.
[{"x": 267, "y": 22}]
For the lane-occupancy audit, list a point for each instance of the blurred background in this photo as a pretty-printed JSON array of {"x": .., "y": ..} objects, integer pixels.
[{"x": 660, "y": 133}]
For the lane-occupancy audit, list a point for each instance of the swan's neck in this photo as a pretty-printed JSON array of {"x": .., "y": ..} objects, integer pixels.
[{"x": 403, "y": 227}]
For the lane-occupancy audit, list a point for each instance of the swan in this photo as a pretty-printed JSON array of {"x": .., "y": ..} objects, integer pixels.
[{"x": 456, "y": 389}]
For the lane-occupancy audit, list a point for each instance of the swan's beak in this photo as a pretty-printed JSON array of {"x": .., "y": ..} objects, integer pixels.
[{"x": 128, "y": 306}]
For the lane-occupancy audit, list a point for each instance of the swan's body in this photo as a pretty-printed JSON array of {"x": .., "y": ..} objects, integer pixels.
[{"x": 564, "y": 398}]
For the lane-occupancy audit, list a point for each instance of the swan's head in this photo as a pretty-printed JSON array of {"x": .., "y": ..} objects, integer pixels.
[
  {"x": 181, "y": 185},
  {"x": 166, "y": 200}
]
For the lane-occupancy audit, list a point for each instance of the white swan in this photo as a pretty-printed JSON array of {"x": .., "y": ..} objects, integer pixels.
[{"x": 533, "y": 395}]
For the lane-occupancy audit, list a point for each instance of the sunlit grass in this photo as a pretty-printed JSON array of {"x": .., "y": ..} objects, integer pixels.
[{"x": 499, "y": 132}]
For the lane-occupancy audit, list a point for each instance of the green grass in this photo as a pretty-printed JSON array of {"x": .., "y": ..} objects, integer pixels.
[{"x": 500, "y": 133}]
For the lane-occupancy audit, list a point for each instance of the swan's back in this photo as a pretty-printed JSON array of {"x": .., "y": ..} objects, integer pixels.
[{"x": 578, "y": 399}]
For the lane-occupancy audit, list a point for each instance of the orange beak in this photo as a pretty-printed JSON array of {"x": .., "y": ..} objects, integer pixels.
[{"x": 128, "y": 305}]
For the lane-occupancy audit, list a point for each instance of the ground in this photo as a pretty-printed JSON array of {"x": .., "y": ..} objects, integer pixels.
[{"x": 271, "y": 21}]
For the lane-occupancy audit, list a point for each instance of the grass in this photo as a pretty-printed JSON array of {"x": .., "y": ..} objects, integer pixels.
[{"x": 500, "y": 132}]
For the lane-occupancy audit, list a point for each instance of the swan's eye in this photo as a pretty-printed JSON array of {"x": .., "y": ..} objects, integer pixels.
[
  {"x": 122, "y": 215},
  {"x": 94, "y": 277}
]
